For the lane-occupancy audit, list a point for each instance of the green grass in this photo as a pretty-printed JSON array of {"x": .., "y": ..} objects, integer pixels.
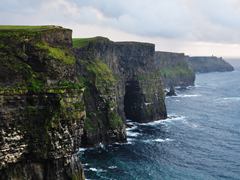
[
  {"x": 169, "y": 72},
  {"x": 89, "y": 125},
  {"x": 26, "y": 28},
  {"x": 115, "y": 120},
  {"x": 101, "y": 71},
  {"x": 81, "y": 42},
  {"x": 58, "y": 53},
  {"x": 19, "y": 32}
]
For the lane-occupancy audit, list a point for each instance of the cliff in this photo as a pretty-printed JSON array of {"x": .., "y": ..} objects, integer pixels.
[
  {"x": 138, "y": 89},
  {"x": 57, "y": 95},
  {"x": 209, "y": 64},
  {"x": 42, "y": 108},
  {"x": 174, "y": 69}
]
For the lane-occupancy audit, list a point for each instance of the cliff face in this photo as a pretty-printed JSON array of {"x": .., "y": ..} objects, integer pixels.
[
  {"x": 209, "y": 64},
  {"x": 138, "y": 88},
  {"x": 42, "y": 110},
  {"x": 174, "y": 69},
  {"x": 55, "y": 98}
]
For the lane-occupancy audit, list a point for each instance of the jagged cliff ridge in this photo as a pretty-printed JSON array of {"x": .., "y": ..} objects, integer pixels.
[
  {"x": 42, "y": 107},
  {"x": 138, "y": 88},
  {"x": 209, "y": 64},
  {"x": 174, "y": 69}
]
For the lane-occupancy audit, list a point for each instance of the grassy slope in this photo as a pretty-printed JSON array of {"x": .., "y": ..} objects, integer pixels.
[
  {"x": 26, "y": 28},
  {"x": 81, "y": 42}
]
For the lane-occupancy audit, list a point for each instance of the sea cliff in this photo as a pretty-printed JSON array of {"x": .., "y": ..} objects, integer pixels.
[
  {"x": 209, "y": 64},
  {"x": 58, "y": 94},
  {"x": 174, "y": 69},
  {"x": 138, "y": 87},
  {"x": 42, "y": 107}
]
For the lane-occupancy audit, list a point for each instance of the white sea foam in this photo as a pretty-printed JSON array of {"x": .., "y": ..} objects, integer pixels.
[
  {"x": 112, "y": 167},
  {"x": 132, "y": 134},
  {"x": 82, "y": 149},
  {"x": 131, "y": 128},
  {"x": 158, "y": 140},
  {"x": 232, "y": 98},
  {"x": 197, "y": 85},
  {"x": 162, "y": 121},
  {"x": 128, "y": 142},
  {"x": 162, "y": 140},
  {"x": 101, "y": 145},
  {"x": 187, "y": 95},
  {"x": 190, "y": 124},
  {"x": 97, "y": 170}
]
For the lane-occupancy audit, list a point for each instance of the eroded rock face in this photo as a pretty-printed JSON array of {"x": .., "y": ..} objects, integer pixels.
[
  {"x": 174, "y": 69},
  {"x": 209, "y": 64},
  {"x": 43, "y": 130},
  {"x": 138, "y": 89},
  {"x": 42, "y": 109}
]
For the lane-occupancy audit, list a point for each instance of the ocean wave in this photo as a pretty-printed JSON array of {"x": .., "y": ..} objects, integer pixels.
[
  {"x": 162, "y": 140},
  {"x": 82, "y": 149},
  {"x": 112, "y": 167},
  {"x": 133, "y": 134},
  {"x": 187, "y": 95},
  {"x": 97, "y": 170},
  {"x": 131, "y": 128},
  {"x": 158, "y": 140},
  {"x": 228, "y": 99},
  {"x": 129, "y": 141},
  {"x": 232, "y": 98},
  {"x": 100, "y": 145},
  {"x": 162, "y": 121}
]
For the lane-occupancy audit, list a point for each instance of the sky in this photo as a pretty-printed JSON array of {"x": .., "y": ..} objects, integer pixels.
[{"x": 195, "y": 27}]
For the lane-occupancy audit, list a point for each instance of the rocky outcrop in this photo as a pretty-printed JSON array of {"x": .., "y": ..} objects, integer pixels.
[
  {"x": 138, "y": 89},
  {"x": 174, "y": 69},
  {"x": 209, "y": 64},
  {"x": 42, "y": 109},
  {"x": 171, "y": 92}
]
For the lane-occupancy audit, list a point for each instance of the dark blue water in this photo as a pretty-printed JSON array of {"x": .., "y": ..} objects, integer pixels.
[{"x": 199, "y": 140}]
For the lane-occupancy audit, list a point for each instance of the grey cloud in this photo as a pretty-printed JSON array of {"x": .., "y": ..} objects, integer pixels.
[{"x": 193, "y": 20}]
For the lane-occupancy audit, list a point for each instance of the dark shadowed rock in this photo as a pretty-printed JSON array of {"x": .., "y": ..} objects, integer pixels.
[{"x": 171, "y": 92}]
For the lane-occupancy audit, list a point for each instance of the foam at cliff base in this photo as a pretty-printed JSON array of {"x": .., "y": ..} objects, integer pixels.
[
  {"x": 162, "y": 121},
  {"x": 97, "y": 170}
]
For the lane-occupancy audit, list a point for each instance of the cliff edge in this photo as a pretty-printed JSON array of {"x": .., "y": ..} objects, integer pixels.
[{"x": 209, "y": 64}]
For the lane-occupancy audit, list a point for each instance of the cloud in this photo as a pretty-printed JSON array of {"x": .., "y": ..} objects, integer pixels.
[{"x": 192, "y": 21}]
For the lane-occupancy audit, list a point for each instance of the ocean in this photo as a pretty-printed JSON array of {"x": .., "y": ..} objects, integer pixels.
[{"x": 199, "y": 140}]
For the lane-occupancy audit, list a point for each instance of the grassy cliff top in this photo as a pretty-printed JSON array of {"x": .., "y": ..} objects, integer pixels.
[
  {"x": 82, "y": 42},
  {"x": 27, "y": 28}
]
